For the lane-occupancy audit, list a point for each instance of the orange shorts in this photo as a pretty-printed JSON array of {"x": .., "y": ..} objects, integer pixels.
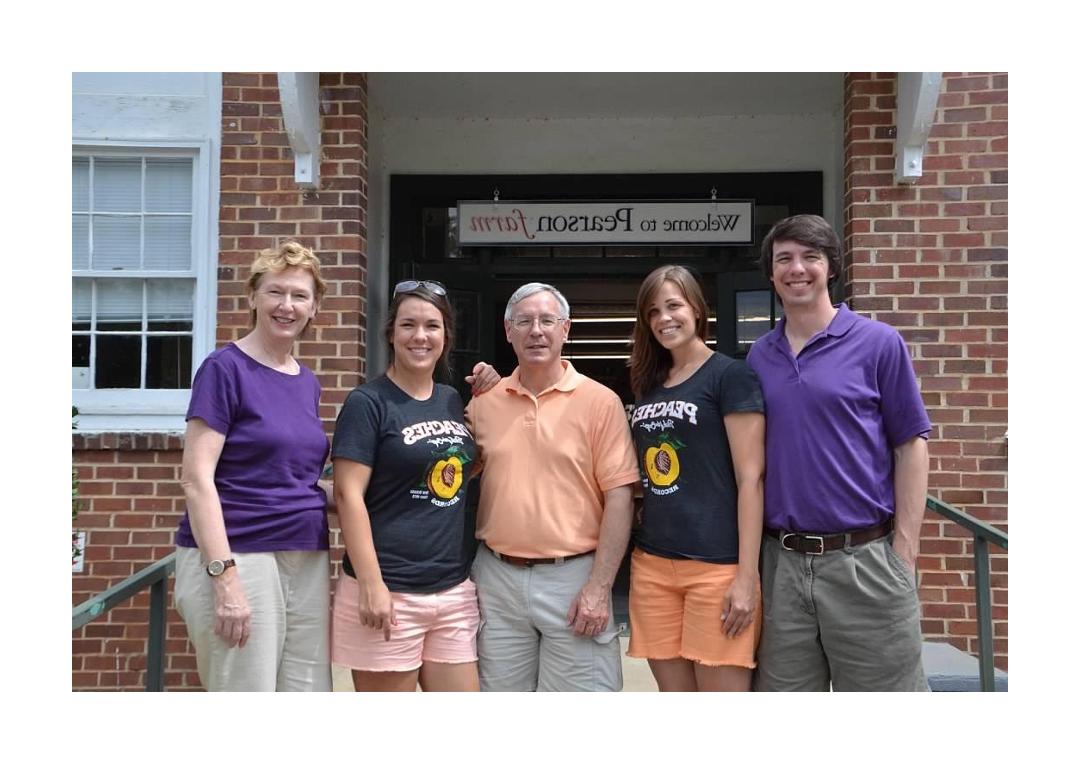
[{"x": 675, "y": 608}]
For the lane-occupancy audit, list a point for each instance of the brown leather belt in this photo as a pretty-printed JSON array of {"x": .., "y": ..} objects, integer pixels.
[
  {"x": 820, "y": 543},
  {"x": 528, "y": 562}
]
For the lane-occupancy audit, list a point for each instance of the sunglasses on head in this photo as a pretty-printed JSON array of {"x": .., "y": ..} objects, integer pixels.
[{"x": 412, "y": 285}]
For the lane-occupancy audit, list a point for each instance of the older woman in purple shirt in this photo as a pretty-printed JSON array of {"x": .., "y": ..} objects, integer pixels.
[{"x": 253, "y": 568}]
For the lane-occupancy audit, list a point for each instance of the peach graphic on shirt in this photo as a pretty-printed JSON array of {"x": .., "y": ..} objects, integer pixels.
[
  {"x": 447, "y": 474},
  {"x": 661, "y": 461}
]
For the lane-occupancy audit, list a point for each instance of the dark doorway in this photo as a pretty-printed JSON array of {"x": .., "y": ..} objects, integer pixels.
[{"x": 600, "y": 282}]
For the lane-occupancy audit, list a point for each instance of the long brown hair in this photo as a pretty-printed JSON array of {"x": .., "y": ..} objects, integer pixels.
[{"x": 650, "y": 361}]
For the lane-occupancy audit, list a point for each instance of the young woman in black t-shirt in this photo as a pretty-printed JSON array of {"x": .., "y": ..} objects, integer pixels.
[
  {"x": 404, "y": 608},
  {"x": 699, "y": 431}
]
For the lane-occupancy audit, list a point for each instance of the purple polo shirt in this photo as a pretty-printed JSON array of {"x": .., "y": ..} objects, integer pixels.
[
  {"x": 832, "y": 418},
  {"x": 275, "y": 448}
]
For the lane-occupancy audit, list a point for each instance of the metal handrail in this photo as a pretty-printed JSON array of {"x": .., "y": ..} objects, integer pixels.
[
  {"x": 985, "y": 534},
  {"x": 154, "y": 576}
]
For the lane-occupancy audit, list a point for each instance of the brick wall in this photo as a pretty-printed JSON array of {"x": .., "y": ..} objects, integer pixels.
[
  {"x": 131, "y": 496},
  {"x": 931, "y": 260},
  {"x": 130, "y": 503}
]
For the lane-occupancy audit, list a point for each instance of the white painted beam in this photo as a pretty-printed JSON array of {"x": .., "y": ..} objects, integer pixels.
[
  {"x": 300, "y": 116},
  {"x": 917, "y": 95}
]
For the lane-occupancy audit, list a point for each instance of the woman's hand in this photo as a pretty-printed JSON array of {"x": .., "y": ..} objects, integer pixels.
[
  {"x": 740, "y": 602},
  {"x": 377, "y": 607},
  {"x": 327, "y": 484},
  {"x": 232, "y": 615}
]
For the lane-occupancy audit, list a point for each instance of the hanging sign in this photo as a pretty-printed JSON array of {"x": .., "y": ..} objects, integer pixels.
[{"x": 509, "y": 223}]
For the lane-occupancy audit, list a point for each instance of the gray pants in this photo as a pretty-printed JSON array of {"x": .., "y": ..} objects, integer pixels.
[
  {"x": 524, "y": 643},
  {"x": 849, "y": 617},
  {"x": 289, "y": 646}
]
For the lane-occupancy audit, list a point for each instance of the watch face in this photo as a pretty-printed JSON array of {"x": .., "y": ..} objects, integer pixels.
[{"x": 215, "y": 568}]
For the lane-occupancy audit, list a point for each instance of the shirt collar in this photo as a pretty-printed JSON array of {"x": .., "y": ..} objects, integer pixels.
[
  {"x": 567, "y": 382},
  {"x": 842, "y": 321},
  {"x": 839, "y": 326}
]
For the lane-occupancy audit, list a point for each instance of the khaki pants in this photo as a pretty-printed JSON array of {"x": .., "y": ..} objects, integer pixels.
[
  {"x": 524, "y": 643},
  {"x": 289, "y": 646},
  {"x": 849, "y": 617}
]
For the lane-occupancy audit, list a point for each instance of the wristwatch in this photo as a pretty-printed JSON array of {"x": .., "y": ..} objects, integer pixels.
[{"x": 217, "y": 567}]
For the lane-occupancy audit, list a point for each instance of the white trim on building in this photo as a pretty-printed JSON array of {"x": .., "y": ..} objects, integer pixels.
[{"x": 122, "y": 115}]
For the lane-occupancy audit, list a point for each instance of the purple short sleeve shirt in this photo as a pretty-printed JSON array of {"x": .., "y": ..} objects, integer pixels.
[
  {"x": 833, "y": 415},
  {"x": 274, "y": 452}
]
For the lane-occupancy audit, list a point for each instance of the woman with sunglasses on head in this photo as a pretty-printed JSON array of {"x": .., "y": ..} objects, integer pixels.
[
  {"x": 699, "y": 431},
  {"x": 253, "y": 564},
  {"x": 405, "y": 609}
]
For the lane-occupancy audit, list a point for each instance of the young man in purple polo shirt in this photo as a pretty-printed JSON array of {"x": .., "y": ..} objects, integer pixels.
[{"x": 846, "y": 469}]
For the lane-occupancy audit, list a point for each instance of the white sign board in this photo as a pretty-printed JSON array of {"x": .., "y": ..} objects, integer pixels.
[{"x": 508, "y": 223}]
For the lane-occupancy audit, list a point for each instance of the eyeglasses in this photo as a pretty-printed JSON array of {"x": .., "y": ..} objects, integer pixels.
[
  {"x": 411, "y": 286},
  {"x": 524, "y": 323}
]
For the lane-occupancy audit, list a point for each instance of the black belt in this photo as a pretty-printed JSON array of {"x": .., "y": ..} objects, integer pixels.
[
  {"x": 528, "y": 562},
  {"x": 820, "y": 543}
]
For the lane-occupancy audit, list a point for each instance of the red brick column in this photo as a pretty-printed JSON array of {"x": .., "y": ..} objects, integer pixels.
[
  {"x": 132, "y": 499},
  {"x": 261, "y": 205},
  {"x": 931, "y": 260}
]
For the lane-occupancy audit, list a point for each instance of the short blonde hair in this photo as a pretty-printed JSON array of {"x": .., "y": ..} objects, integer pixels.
[{"x": 277, "y": 259}]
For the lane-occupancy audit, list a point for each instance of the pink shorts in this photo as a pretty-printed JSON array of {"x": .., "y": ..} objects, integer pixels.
[{"x": 439, "y": 627}]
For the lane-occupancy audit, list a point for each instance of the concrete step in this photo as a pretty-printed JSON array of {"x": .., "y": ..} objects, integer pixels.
[{"x": 949, "y": 669}]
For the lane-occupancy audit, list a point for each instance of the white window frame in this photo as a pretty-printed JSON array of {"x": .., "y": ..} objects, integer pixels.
[{"x": 130, "y": 410}]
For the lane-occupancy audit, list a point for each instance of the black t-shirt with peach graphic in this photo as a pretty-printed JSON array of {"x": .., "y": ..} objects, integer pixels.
[
  {"x": 690, "y": 498},
  {"x": 420, "y": 453}
]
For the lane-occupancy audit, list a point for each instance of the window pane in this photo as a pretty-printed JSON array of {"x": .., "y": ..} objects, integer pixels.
[
  {"x": 168, "y": 243},
  {"x": 80, "y": 242},
  {"x": 80, "y": 301},
  {"x": 117, "y": 185},
  {"x": 132, "y": 215},
  {"x": 752, "y": 317},
  {"x": 116, "y": 243},
  {"x": 168, "y": 363},
  {"x": 118, "y": 359},
  {"x": 168, "y": 185},
  {"x": 80, "y": 362},
  {"x": 440, "y": 233},
  {"x": 80, "y": 184},
  {"x": 119, "y": 305},
  {"x": 169, "y": 305}
]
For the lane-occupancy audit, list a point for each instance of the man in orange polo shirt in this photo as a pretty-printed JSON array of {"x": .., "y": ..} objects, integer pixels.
[{"x": 555, "y": 511}]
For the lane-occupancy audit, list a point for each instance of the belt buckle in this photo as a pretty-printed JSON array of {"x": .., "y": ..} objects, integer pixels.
[{"x": 819, "y": 539}]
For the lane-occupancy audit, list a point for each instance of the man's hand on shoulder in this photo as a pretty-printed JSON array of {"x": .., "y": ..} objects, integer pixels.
[{"x": 483, "y": 378}]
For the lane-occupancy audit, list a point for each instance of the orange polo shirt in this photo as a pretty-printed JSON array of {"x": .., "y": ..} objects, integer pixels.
[{"x": 547, "y": 460}]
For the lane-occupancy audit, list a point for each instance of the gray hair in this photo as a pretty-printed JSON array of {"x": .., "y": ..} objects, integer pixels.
[{"x": 528, "y": 290}]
